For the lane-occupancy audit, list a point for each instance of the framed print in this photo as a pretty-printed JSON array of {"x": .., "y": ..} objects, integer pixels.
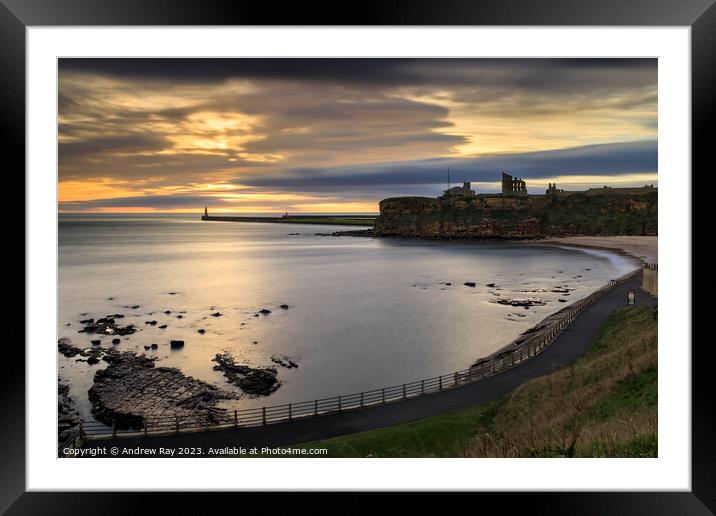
[{"x": 422, "y": 243}]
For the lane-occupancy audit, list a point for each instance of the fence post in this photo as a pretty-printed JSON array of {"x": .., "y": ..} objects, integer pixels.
[
  {"x": 361, "y": 400},
  {"x": 422, "y": 386},
  {"x": 315, "y": 407},
  {"x": 114, "y": 428},
  {"x": 263, "y": 415},
  {"x": 236, "y": 418},
  {"x": 340, "y": 403},
  {"x": 404, "y": 391},
  {"x": 290, "y": 412},
  {"x": 382, "y": 395},
  {"x": 455, "y": 379},
  {"x": 441, "y": 382}
]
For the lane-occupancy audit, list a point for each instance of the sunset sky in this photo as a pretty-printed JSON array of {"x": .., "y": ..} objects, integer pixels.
[{"x": 338, "y": 135}]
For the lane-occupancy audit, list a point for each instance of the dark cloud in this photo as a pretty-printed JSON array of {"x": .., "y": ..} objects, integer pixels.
[
  {"x": 146, "y": 201},
  {"x": 125, "y": 143},
  {"x": 606, "y": 159},
  {"x": 380, "y": 72}
]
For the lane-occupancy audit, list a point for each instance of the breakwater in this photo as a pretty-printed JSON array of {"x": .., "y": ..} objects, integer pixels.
[{"x": 335, "y": 220}]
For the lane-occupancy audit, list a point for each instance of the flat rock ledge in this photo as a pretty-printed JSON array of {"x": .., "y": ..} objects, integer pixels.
[
  {"x": 131, "y": 389},
  {"x": 256, "y": 381}
]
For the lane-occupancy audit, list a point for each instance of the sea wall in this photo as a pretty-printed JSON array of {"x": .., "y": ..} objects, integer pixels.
[
  {"x": 650, "y": 279},
  {"x": 519, "y": 217}
]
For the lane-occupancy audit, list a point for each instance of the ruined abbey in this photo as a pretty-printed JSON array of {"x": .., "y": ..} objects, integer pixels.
[{"x": 514, "y": 186}]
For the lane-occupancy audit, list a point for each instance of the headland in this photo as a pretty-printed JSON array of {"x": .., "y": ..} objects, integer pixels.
[{"x": 514, "y": 214}]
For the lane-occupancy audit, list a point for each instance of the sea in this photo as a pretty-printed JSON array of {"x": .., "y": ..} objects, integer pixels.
[{"x": 362, "y": 313}]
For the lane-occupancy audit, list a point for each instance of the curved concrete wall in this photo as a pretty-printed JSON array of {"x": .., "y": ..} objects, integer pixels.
[{"x": 650, "y": 280}]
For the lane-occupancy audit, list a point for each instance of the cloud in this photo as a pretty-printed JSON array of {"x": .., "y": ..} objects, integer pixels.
[
  {"x": 124, "y": 143},
  {"x": 379, "y": 73},
  {"x": 148, "y": 201},
  {"x": 606, "y": 159},
  {"x": 345, "y": 129}
]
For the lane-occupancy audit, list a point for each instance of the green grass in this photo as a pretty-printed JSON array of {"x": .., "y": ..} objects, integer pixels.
[
  {"x": 446, "y": 435},
  {"x": 632, "y": 393},
  {"x": 603, "y": 405}
]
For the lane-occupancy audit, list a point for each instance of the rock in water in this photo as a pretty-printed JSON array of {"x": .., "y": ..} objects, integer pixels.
[
  {"x": 258, "y": 381},
  {"x": 283, "y": 361},
  {"x": 526, "y": 303},
  {"x": 107, "y": 326},
  {"x": 64, "y": 346}
]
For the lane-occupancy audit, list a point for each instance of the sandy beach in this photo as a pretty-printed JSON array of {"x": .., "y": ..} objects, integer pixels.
[{"x": 643, "y": 247}]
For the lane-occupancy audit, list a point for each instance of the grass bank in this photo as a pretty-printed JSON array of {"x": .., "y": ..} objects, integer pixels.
[{"x": 603, "y": 405}]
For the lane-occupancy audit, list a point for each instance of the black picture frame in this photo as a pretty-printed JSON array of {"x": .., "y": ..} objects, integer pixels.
[{"x": 17, "y": 15}]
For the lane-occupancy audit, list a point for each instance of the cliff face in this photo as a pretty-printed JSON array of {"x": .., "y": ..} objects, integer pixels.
[{"x": 519, "y": 217}]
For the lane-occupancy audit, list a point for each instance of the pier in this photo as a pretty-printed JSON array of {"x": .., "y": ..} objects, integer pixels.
[{"x": 336, "y": 220}]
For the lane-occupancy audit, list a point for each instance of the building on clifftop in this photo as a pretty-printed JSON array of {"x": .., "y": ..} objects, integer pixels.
[
  {"x": 553, "y": 190},
  {"x": 513, "y": 185},
  {"x": 459, "y": 191}
]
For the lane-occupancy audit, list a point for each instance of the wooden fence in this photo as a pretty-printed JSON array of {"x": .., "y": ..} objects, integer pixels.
[{"x": 504, "y": 359}]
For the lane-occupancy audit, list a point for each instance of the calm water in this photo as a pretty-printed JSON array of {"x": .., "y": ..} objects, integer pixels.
[{"x": 364, "y": 313}]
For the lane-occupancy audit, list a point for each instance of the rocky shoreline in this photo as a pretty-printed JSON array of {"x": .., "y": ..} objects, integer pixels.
[
  {"x": 131, "y": 390},
  {"x": 68, "y": 419}
]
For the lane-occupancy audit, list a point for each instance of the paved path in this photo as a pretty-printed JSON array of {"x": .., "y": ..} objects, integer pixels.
[{"x": 572, "y": 343}]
